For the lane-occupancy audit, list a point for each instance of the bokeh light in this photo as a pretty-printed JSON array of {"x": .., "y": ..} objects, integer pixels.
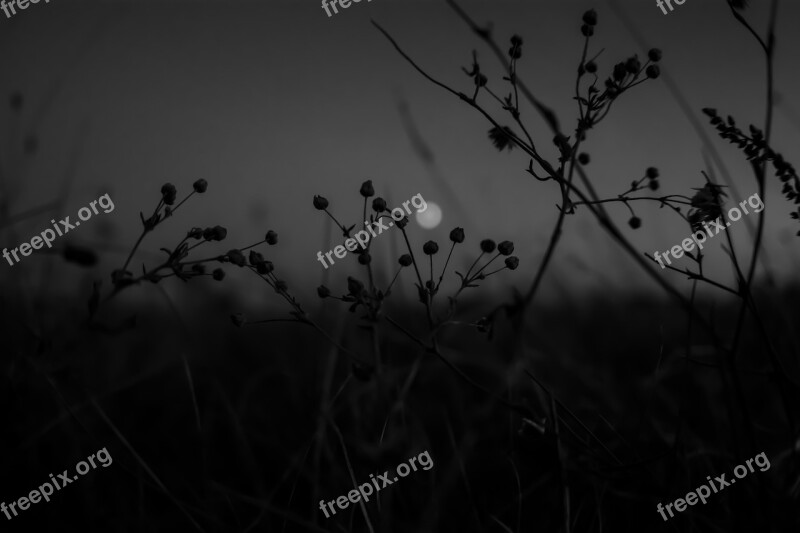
[{"x": 431, "y": 217}]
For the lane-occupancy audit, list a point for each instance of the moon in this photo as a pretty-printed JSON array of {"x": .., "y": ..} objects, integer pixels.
[{"x": 431, "y": 217}]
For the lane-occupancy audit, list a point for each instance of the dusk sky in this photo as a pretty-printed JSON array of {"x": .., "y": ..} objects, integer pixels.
[{"x": 273, "y": 102}]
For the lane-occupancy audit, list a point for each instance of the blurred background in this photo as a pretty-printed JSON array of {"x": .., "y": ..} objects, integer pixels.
[{"x": 225, "y": 429}]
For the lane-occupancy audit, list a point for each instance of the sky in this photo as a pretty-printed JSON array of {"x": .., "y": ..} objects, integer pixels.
[{"x": 273, "y": 102}]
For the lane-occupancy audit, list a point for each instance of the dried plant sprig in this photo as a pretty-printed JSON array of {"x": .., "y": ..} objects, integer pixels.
[
  {"x": 673, "y": 201},
  {"x": 164, "y": 209},
  {"x": 598, "y": 104},
  {"x": 758, "y": 152},
  {"x": 367, "y": 297}
]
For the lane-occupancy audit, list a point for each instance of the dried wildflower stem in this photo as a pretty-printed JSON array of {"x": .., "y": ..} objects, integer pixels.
[
  {"x": 561, "y": 404},
  {"x": 413, "y": 259},
  {"x": 521, "y": 409},
  {"x": 151, "y": 223},
  {"x": 352, "y": 474},
  {"x": 374, "y": 334},
  {"x": 696, "y": 276},
  {"x": 584, "y": 120},
  {"x": 478, "y": 273},
  {"x": 597, "y": 211},
  {"x": 691, "y": 116},
  {"x": 376, "y": 347},
  {"x": 146, "y": 467},
  {"x": 555, "y": 236},
  {"x": 447, "y": 262},
  {"x": 248, "y": 247},
  {"x": 561, "y": 468},
  {"x": 354, "y": 357},
  {"x": 471, "y": 102},
  {"x": 663, "y": 200},
  {"x": 369, "y": 245},
  {"x": 183, "y": 201},
  {"x": 465, "y": 283},
  {"x": 485, "y": 35},
  {"x": 340, "y": 226},
  {"x": 389, "y": 288},
  {"x": 408, "y": 333},
  {"x": 471, "y": 267},
  {"x": 494, "y": 272},
  {"x": 544, "y": 111},
  {"x": 760, "y": 175},
  {"x": 302, "y": 317},
  {"x": 147, "y": 229},
  {"x": 547, "y": 114},
  {"x": 429, "y": 311},
  {"x": 434, "y": 349}
]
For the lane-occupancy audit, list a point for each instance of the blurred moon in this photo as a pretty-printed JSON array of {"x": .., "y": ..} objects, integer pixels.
[{"x": 431, "y": 217}]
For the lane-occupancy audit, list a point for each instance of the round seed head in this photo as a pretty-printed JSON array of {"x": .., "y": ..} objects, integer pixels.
[
  {"x": 265, "y": 268},
  {"x": 217, "y": 233},
  {"x": 430, "y": 248},
  {"x": 367, "y": 190},
  {"x": 320, "y": 202},
  {"x": 632, "y": 65},
  {"x": 379, "y": 204},
  {"x": 457, "y": 235},
  {"x": 255, "y": 258},
  {"x": 620, "y": 71},
  {"x": 654, "y": 55},
  {"x": 168, "y": 193},
  {"x": 236, "y": 257},
  {"x": 488, "y": 246},
  {"x": 506, "y": 248},
  {"x": 200, "y": 186}
]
